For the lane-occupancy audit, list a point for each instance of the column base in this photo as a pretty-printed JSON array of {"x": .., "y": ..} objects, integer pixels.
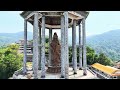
[
  {"x": 39, "y": 68},
  {"x": 84, "y": 73},
  {"x": 42, "y": 76},
  {"x": 73, "y": 68},
  {"x": 24, "y": 72},
  {"x": 80, "y": 69},
  {"x": 75, "y": 73},
  {"x": 66, "y": 78},
  {"x": 62, "y": 76},
  {"x": 35, "y": 78}
]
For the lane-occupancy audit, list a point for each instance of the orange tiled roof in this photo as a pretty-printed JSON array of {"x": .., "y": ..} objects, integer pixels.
[{"x": 106, "y": 69}]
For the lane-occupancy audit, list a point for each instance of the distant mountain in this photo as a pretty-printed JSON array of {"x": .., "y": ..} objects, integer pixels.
[
  {"x": 7, "y": 38},
  {"x": 108, "y": 43}
]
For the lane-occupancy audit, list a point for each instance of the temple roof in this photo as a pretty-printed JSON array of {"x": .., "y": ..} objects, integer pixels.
[
  {"x": 83, "y": 13},
  {"x": 107, "y": 69},
  {"x": 53, "y": 18}
]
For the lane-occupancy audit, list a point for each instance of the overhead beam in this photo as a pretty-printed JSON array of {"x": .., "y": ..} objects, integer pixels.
[
  {"x": 75, "y": 17},
  {"x": 32, "y": 14},
  {"x": 75, "y": 14},
  {"x": 53, "y": 15},
  {"x": 54, "y": 26},
  {"x": 50, "y": 11}
]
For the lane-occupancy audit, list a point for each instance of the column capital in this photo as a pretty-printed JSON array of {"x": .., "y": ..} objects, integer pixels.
[{"x": 83, "y": 20}]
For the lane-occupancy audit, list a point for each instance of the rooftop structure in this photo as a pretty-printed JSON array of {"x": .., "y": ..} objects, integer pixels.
[
  {"x": 53, "y": 18},
  {"x": 107, "y": 69}
]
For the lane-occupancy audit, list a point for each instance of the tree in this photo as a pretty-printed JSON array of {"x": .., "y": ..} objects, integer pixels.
[
  {"x": 70, "y": 53},
  {"x": 10, "y": 61},
  {"x": 90, "y": 56},
  {"x": 47, "y": 39},
  {"x": 104, "y": 59}
]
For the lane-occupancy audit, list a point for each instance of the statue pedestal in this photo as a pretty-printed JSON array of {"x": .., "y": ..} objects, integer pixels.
[{"x": 52, "y": 69}]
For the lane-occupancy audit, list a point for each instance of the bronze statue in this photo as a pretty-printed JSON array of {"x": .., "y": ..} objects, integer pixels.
[
  {"x": 55, "y": 50},
  {"x": 55, "y": 55}
]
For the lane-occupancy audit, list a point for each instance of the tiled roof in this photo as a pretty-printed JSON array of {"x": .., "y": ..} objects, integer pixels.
[{"x": 106, "y": 69}]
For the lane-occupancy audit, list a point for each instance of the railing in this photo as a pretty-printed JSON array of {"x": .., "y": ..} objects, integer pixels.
[
  {"x": 99, "y": 74},
  {"x": 88, "y": 68}
]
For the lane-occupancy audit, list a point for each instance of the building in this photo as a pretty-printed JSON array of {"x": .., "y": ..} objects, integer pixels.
[
  {"x": 106, "y": 71},
  {"x": 29, "y": 49},
  {"x": 56, "y": 20}
]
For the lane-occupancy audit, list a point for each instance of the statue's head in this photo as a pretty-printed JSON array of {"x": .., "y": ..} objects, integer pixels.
[{"x": 55, "y": 36}]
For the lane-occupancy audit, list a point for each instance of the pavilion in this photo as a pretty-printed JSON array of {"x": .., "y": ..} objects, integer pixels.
[{"x": 56, "y": 20}]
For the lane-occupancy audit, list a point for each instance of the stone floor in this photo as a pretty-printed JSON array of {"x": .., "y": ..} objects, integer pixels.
[{"x": 79, "y": 75}]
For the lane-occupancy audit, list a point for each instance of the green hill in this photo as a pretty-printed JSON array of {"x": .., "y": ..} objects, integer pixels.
[
  {"x": 7, "y": 38},
  {"x": 108, "y": 43}
]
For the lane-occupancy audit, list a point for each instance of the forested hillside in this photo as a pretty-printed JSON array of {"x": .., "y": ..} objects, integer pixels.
[
  {"x": 8, "y": 38},
  {"x": 107, "y": 43}
]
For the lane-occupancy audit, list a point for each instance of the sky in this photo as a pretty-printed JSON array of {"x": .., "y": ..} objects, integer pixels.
[{"x": 97, "y": 22}]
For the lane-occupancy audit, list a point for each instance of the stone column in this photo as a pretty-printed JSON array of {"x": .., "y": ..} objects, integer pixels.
[
  {"x": 50, "y": 39},
  {"x": 35, "y": 46},
  {"x": 74, "y": 47},
  {"x": 84, "y": 48},
  {"x": 80, "y": 48},
  {"x": 25, "y": 47},
  {"x": 62, "y": 48},
  {"x": 43, "y": 49},
  {"x": 66, "y": 46},
  {"x": 39, "y": 48}
]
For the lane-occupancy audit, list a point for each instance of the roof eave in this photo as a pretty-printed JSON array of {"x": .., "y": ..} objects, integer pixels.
[{"x": 25, "y": 13}]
